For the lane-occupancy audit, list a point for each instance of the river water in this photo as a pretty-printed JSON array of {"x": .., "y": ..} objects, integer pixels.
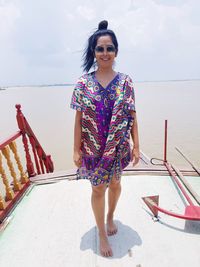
[{"x": 47, "y": 111}]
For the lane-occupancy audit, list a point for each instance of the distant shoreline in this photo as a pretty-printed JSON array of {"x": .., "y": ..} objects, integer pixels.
[
  {"x": 164, "y": 81},
  {"x": 72, "y": 84},
  {"x": 39, "y": 85}
]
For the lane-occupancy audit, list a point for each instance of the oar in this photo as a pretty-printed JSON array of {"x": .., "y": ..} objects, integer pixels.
[
  {"x": 193, "y": 166},
  {"x": 186, "y": 184}
]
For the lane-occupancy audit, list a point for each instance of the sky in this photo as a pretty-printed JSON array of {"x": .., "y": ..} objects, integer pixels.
[{"x": 42, "y": 42}]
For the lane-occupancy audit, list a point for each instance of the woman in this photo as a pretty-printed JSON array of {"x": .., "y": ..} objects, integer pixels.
[{"x": 105, "y": 119}]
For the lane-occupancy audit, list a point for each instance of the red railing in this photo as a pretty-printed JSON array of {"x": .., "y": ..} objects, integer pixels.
[
  {"x": 14, "y": 187},
  {"x": 192, "y": 212},
  {"x": 41, "y": 159}
]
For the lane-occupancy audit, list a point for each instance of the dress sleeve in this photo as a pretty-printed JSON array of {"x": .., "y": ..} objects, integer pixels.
[
  {"x": 129, "y": 95},
  {"x": 77, "y": 96}
]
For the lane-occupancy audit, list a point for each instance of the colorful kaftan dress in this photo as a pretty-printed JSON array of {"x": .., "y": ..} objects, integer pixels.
[{"x": 106, "y": 124}]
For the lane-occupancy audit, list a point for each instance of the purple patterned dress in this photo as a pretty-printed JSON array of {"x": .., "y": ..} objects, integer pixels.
[{"x": 106, "y": 125}]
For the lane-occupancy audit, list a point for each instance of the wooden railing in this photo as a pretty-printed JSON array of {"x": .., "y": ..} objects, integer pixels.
[
  {"x": 41, "y": 159},
  {"x": 11, "y": 164}
]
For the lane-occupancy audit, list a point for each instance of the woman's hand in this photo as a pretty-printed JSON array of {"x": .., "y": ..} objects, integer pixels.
[
  {"x": 135, "y": 156},
  {"x": 77, "y": 158}
]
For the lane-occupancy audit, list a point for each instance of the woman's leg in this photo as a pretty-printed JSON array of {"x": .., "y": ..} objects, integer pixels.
[
  {"x": 114, "y": 192},
  {"x": 98, "y": 206}
]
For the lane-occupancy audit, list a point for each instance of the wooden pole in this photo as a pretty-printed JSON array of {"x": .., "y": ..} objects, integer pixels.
[
  {"x": 165, "y": 143},
  {"x": 193, "y": 166}
]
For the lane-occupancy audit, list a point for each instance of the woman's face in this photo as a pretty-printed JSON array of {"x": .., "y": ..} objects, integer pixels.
[{"x": 105, "y": 52}]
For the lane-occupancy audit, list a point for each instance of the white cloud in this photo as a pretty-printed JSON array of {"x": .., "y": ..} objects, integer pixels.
[
  {"x": 9, "y": 13},
  {"x": 86, "y": 12},
  {"x": 42, "y": 41}
]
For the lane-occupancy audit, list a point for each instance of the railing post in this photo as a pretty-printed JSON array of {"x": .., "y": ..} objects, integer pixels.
[
  {"x": 13, "y": 147},
  {"x": 2, "y": 203},
  {"x": 39, "y": 151},
  {"x": 21, "y": 125},
  {"x": 32, "y": 141},
  {"x": 165, "y": 143},
  {"x": 6, "y": 153},
  {"x": 9, "y": 192}
]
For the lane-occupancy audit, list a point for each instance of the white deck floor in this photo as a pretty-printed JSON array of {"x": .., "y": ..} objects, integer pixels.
[{"x": 53, "y": 226}]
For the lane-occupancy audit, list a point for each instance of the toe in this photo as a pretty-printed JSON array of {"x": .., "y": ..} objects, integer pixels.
[
  {"x": 111, "y": 253},
  {"x": 103, "y": 253},
  {"x": 109, "y": 233},
  {"x": 106, "y": 253}
]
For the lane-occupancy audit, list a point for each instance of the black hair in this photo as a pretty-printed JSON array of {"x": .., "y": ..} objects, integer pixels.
[{"x": 88, "y": 56}]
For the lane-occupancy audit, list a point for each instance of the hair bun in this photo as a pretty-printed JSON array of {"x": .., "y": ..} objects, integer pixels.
[{"x": 103, "y": 25}]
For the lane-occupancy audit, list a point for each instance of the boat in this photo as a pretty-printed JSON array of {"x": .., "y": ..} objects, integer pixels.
[{"x": 46, "y": 217}]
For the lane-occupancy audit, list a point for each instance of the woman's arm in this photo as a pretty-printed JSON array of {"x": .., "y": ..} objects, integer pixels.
[
  {"x": 77, "y": 139},
  {"x": 135, "y": 138}
]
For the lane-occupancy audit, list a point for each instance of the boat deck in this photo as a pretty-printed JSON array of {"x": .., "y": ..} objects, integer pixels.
[{"x": 53, "y": 225}]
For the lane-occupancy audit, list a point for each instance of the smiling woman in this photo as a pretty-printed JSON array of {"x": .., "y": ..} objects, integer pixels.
[
  {"x": 105, "y": 54},
  {"x": 105, "y": 119}
]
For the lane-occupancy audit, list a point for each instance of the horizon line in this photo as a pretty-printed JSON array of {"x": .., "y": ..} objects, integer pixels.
[{"x": 71, "y": 84}]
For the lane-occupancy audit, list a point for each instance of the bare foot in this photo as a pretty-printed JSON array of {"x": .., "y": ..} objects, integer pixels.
[
  {"x": 105, "y": 248},
  {"x": 111, "y": 227}
]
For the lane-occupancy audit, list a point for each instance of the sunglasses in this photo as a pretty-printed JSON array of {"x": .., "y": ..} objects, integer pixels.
[{"x": 101, "y": 49}]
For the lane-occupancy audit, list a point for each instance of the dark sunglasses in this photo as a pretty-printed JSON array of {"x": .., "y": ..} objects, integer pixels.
[{"x": 109, "y": 49}]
